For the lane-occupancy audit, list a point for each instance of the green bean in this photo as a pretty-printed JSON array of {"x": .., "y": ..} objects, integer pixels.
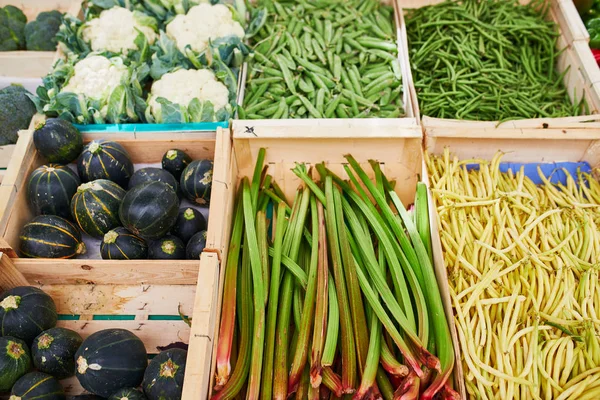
[
  {"x": 331, "y": 106},
  {"x": 286, "y": 73},
  {"x": 320, "y": 100}
]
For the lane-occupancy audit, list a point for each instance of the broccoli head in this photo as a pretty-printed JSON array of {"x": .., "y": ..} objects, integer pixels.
[
  {"x": 12, "y": 28},
  {"x": 16, "y": 111},
  {"x": 40, "y": 35}
]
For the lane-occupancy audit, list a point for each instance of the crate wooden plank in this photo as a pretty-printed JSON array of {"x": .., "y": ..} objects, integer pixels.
[{"x": 577, "y": 80}]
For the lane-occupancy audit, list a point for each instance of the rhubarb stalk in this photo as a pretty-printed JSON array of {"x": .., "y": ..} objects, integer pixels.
[
  {"x": 227, "y": 326},
  {"x": 280, "y": 228},
  {"x": 308, "y": 311},
  {"x": 367, "y": 386},
  {"x": 333, "y": 325},
  {"x": 245, "y": 321},
  {"x": 253, "y": 391},
  {"x": 332, "y": 381},
  {"x": 348, "y": 351},
  {"x": 320, "y": 325}
]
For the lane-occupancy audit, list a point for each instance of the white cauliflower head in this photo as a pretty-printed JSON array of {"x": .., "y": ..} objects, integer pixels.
[
  {"x": 116, "y": 29},
  {"x": 182, "y": 86},
  {"x": 201, "y": 23},
  {"x": 96, "y": 77}
]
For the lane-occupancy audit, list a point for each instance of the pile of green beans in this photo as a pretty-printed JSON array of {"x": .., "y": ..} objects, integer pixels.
[
  {"x": 490, "y": 60},
  {"x": 324, "y": 59}
]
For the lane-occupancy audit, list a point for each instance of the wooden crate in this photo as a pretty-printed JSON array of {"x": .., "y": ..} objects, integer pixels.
[
  {"x": 351, "y": 126},
  {"x": 400, "y": 155},
  {"x": 518, "y": 145},
  {"x": 571, "y": 29},
  {"x": 140, "y": 295},
  {"x": 32, "y": 64}
]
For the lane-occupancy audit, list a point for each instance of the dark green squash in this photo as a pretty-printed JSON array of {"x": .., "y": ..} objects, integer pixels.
[
  {"x": 149, "y": 210},
  {"x": 15, "y": 361},
  {"x": 196, "y": 181},
  {"x": 103, "y": 159},
  {"x": 53, "y": 352},
  {"x": 50, "y": 189},
  {"x": 110, "y": 359},
  {"x": 95, "y": 206},
  {"x": 127, "y": 393},
  {"x": 37, "y": 386},
  {"x": 163, "y": 379},
  {"x": 49, "y": 236},
  {"x": 175, "y": 161},
  {"x": 57, "y": 140},
  {"x": 25, "y": 312},
  {"x": 167, "y": 248},
  {"x": 189, "y": 222},
  {"x": 195, "y": 246},
  {"x": 120, "y": 244},
  {"x": 152, "y": 174}
]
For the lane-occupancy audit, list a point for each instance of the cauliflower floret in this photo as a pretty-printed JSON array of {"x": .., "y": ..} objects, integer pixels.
[
  {"x": 115, "y": 30},
  {"x": 201, "y": 23},
  {"x": 96, "y": 77},
  {"x": 181, "y": 87}
]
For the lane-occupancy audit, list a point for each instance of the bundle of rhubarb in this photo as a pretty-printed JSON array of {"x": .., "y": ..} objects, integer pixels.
[
  {"x": 333, "y": 295},
  {"x": 522, "y": 262}
]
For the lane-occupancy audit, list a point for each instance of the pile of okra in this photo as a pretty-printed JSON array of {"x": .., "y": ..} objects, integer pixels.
[
  {"x": 489, "y": 60},
  {"x": 324, "y": 59}
]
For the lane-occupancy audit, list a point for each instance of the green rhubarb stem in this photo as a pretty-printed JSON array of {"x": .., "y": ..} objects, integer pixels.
[
  {"x": 253, "y": 391},
  {"x": 383, "y": 383},
  {"x": 227, "y": 326},
  {"x": 257, "y": 177},
  {"x": 292, "y": 267},
  {"x": 280, "y": 228},
  {"x": 390, "y": 363},
  {"x": 441, "y": 330},
  {"x": 308, "y": 311},
  {"x": 302, "y": 392},
  {"x": 283, "y": 338},
  {"x": 332, "y": 381},
  {"x": 263, "y": 247},
  {"x": 297, "y": 304},
  {"x": 422, "y": 218},
  {"x": 367, "y": 386},
  {"x": 237, "y": 381},
  {"x": 380, "y": 283},
  {"x": 409, "y": 388},
  {"x": 302, "y": 173},
  {"x": 359, "y": 322},
  {"x": 333, "y": 325},
  {"x": 320, "y": 325},
  {"x": 348, "y": 351}
]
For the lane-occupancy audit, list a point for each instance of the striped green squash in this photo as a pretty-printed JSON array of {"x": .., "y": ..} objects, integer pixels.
[
  {"x": 37, "y": 386},
  {"x": 95, "y": 206},
  {"x": 103, "y": 159},
  {"x": 196, "y": 181},
  {"x": 15, "y": 361},
  {"x": 120, "y": 244},
  {"x": 50, "y": 189},
  {"x": 50, "y": 236}
]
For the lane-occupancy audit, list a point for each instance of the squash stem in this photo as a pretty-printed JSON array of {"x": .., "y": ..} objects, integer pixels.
[{"x": 228, "y": 310}]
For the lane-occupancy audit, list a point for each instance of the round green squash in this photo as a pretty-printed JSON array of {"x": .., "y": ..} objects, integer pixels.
[
  {"x": 57, "y": 140},
  {"x": 103, "y": 159},
  {"x": 50, "y": 189},
  {"x": 50, "y": 236},
  {"x": 37, "y": 386},
  {"x": 167, "y": 248},
  {"x": 110, "y": 359},
  {"x": 196, "y": 181},
  {"x": 95, "y": 206},
  {"x": 120, "y": 244},
  {"x": 15, "y": 361},
  {"x": 127, "y": 393},
  {"x": 195, "y": 246},
  {"x": 53, "y": 352},
  {"x": 163, "y": 379},
  {"x": 25, "y": 312},
  {"x": 149, "y": 210},
  {"x": 87, "y": 397},
  {"x": 175, "y": 161},
  {"x": 152, "y": 174},
  {"x": 189, "y": 222}
]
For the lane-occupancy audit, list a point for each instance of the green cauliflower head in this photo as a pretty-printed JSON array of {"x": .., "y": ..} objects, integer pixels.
[
  {"x": 40, "y": 35},
  {"x": 16, "y": 111},
  {"x": 12, "y": 28}
]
